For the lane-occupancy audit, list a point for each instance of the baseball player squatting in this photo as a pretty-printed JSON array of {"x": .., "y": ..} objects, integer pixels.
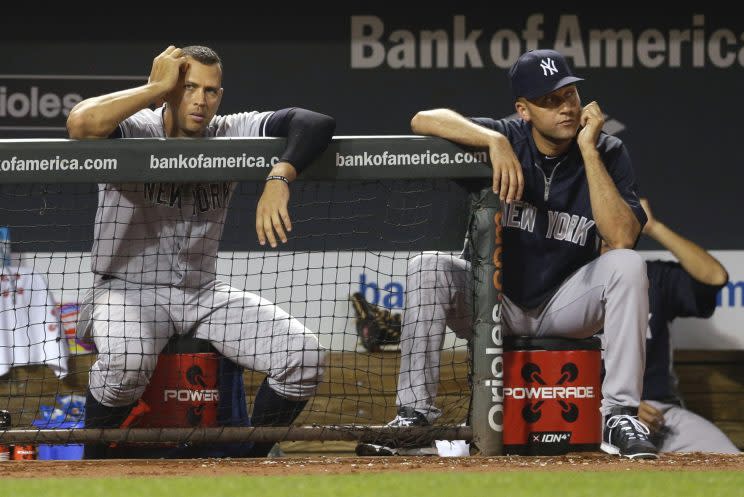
[
  {"x": 686, "y": 288},
  {"x": 155, "y": 247},
  {"x": 564, "y": 185}
]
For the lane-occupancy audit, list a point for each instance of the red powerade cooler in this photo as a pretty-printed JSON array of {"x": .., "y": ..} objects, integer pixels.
[
  {"x": 183, "y": 390},
  {"x": 552, "y": 395}
]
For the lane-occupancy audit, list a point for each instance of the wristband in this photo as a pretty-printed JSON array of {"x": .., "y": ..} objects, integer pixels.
[{"x": 282, "y": 178}]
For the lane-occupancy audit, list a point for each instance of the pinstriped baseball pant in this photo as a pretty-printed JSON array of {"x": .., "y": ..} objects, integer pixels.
[{"x": 131, "y": 324}]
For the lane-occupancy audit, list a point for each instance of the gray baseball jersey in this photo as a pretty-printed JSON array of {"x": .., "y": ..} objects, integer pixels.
[{"x": 166, "y": 233}]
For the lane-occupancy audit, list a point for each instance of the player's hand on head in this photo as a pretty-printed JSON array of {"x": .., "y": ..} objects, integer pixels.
[
  {"x": 167, "y": 67},
  {"x": 592, "y": 121},
  {"x": 508, "y": 180},
  {"x": 272, "y": 216}
]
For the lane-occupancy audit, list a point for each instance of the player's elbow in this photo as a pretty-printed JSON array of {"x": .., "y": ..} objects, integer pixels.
[
  {"x": 430, "y": 122},
  {"x": 719, "y": 276},
  {"x": 326, "y": 125},
  {"x": 624, "y": 243},
  {"x": 621, "y": 239},
  {"x": 82, "y": 125},
  {"x": 419, "y": 121},
  {"x": 76, "y": 125},
  {"x": 622, "y": 235}
]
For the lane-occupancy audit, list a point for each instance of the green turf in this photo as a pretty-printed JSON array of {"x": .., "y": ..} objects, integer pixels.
[{"x": 448, "y": 483}]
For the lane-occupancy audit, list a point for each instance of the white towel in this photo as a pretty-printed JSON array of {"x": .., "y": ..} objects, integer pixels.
[{"x": 30, "y": 328}]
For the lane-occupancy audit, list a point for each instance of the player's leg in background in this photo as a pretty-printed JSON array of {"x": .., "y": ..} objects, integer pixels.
[
  {"x": 438, "y": 295},
  {"x": 129, "y": 330},
  {"x": 261, "y": 336},
  {"x": 438, "y": 292},
  {"x": 685, "y": 431}
]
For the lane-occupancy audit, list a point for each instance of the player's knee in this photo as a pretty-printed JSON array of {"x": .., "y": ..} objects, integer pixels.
[
  {"x": 117, "y": 389},
  {"x": 312, "y": 361},
  {"x": 628, "y": 267},
  {"x": 424, "y": 270},
  {"x": 303, "y": 372},
  {"x": 429, "y": 262},
  {"x": 130, "y": 389},
  {"x": 122, "y": 378},
  {"x": 415, "y": 264},
  {"x": 313, "y": 365}
]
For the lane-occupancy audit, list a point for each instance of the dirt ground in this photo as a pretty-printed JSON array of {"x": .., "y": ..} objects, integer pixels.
[{"x": 328, "y": 464}]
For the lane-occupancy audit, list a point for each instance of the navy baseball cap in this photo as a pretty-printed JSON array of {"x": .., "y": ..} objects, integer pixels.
[{"x": 539, "y": 72}]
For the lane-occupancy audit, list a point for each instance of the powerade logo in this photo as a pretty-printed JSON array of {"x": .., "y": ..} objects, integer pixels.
[
  {"x": 197, "y": 397},
  {"x": 33, "y": 103},
  {"x": 533, "y": 411},
  {"x": 520, "y": 393},
  {"x": 200, "y": 393},
  {"x": 188, "y": 395},
  {"x": 195, "y": 376}
]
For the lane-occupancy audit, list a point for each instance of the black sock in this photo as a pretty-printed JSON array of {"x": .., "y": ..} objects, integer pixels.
[
  {"x": 98, "y": 415},
  {"x": 271, "y": 409}
]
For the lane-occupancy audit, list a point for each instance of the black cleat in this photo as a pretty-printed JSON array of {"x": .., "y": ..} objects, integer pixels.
[
  {"x": 407, "y": 416},
  {"x": 624, "y": 435}
]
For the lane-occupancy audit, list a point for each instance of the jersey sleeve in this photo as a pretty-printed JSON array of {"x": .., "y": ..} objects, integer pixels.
[
  {"x": 242, "y": 124},
  {"x": 143, "y": 124},
  {"x": 681, "y": 294},
  {"x": 308, "y": 134}
]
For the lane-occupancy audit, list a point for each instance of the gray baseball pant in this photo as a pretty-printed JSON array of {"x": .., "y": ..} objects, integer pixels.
[
  {"x": 132, "y": 323},
  {"x": 685, "y": 431},
  {"x": 610, "y": 292}
]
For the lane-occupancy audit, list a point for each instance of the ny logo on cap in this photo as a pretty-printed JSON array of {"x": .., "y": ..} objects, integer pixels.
[{"x": 548, "y": 65}]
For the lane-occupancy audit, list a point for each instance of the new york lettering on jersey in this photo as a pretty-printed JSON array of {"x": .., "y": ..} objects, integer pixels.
[
  {"x": 201, "y": 197},
  {"x": 560, "y": 226}
]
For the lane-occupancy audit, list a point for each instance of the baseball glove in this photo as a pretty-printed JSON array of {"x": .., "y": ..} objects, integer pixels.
[{"x": 375, "y": 326}]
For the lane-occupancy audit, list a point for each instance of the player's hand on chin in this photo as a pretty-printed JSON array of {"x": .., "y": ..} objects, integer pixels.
[
  {"x": 272, "y": 216},
  {"x": 592, "y": 121}
]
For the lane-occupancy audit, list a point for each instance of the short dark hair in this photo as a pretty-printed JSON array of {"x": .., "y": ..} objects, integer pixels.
[{"x": 204, "y": 55}]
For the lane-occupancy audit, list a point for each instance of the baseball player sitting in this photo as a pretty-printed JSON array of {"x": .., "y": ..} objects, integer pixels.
[
  {"x": 155, "y": 247},
  {"x": 564, "y": 185},
  {"x": 687, "y": 288}
]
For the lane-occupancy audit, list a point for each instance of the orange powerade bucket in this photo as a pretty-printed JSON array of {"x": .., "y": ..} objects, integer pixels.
[
  {"x": 183, "y": 391},
  {"x": 552, "y": 395}
]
